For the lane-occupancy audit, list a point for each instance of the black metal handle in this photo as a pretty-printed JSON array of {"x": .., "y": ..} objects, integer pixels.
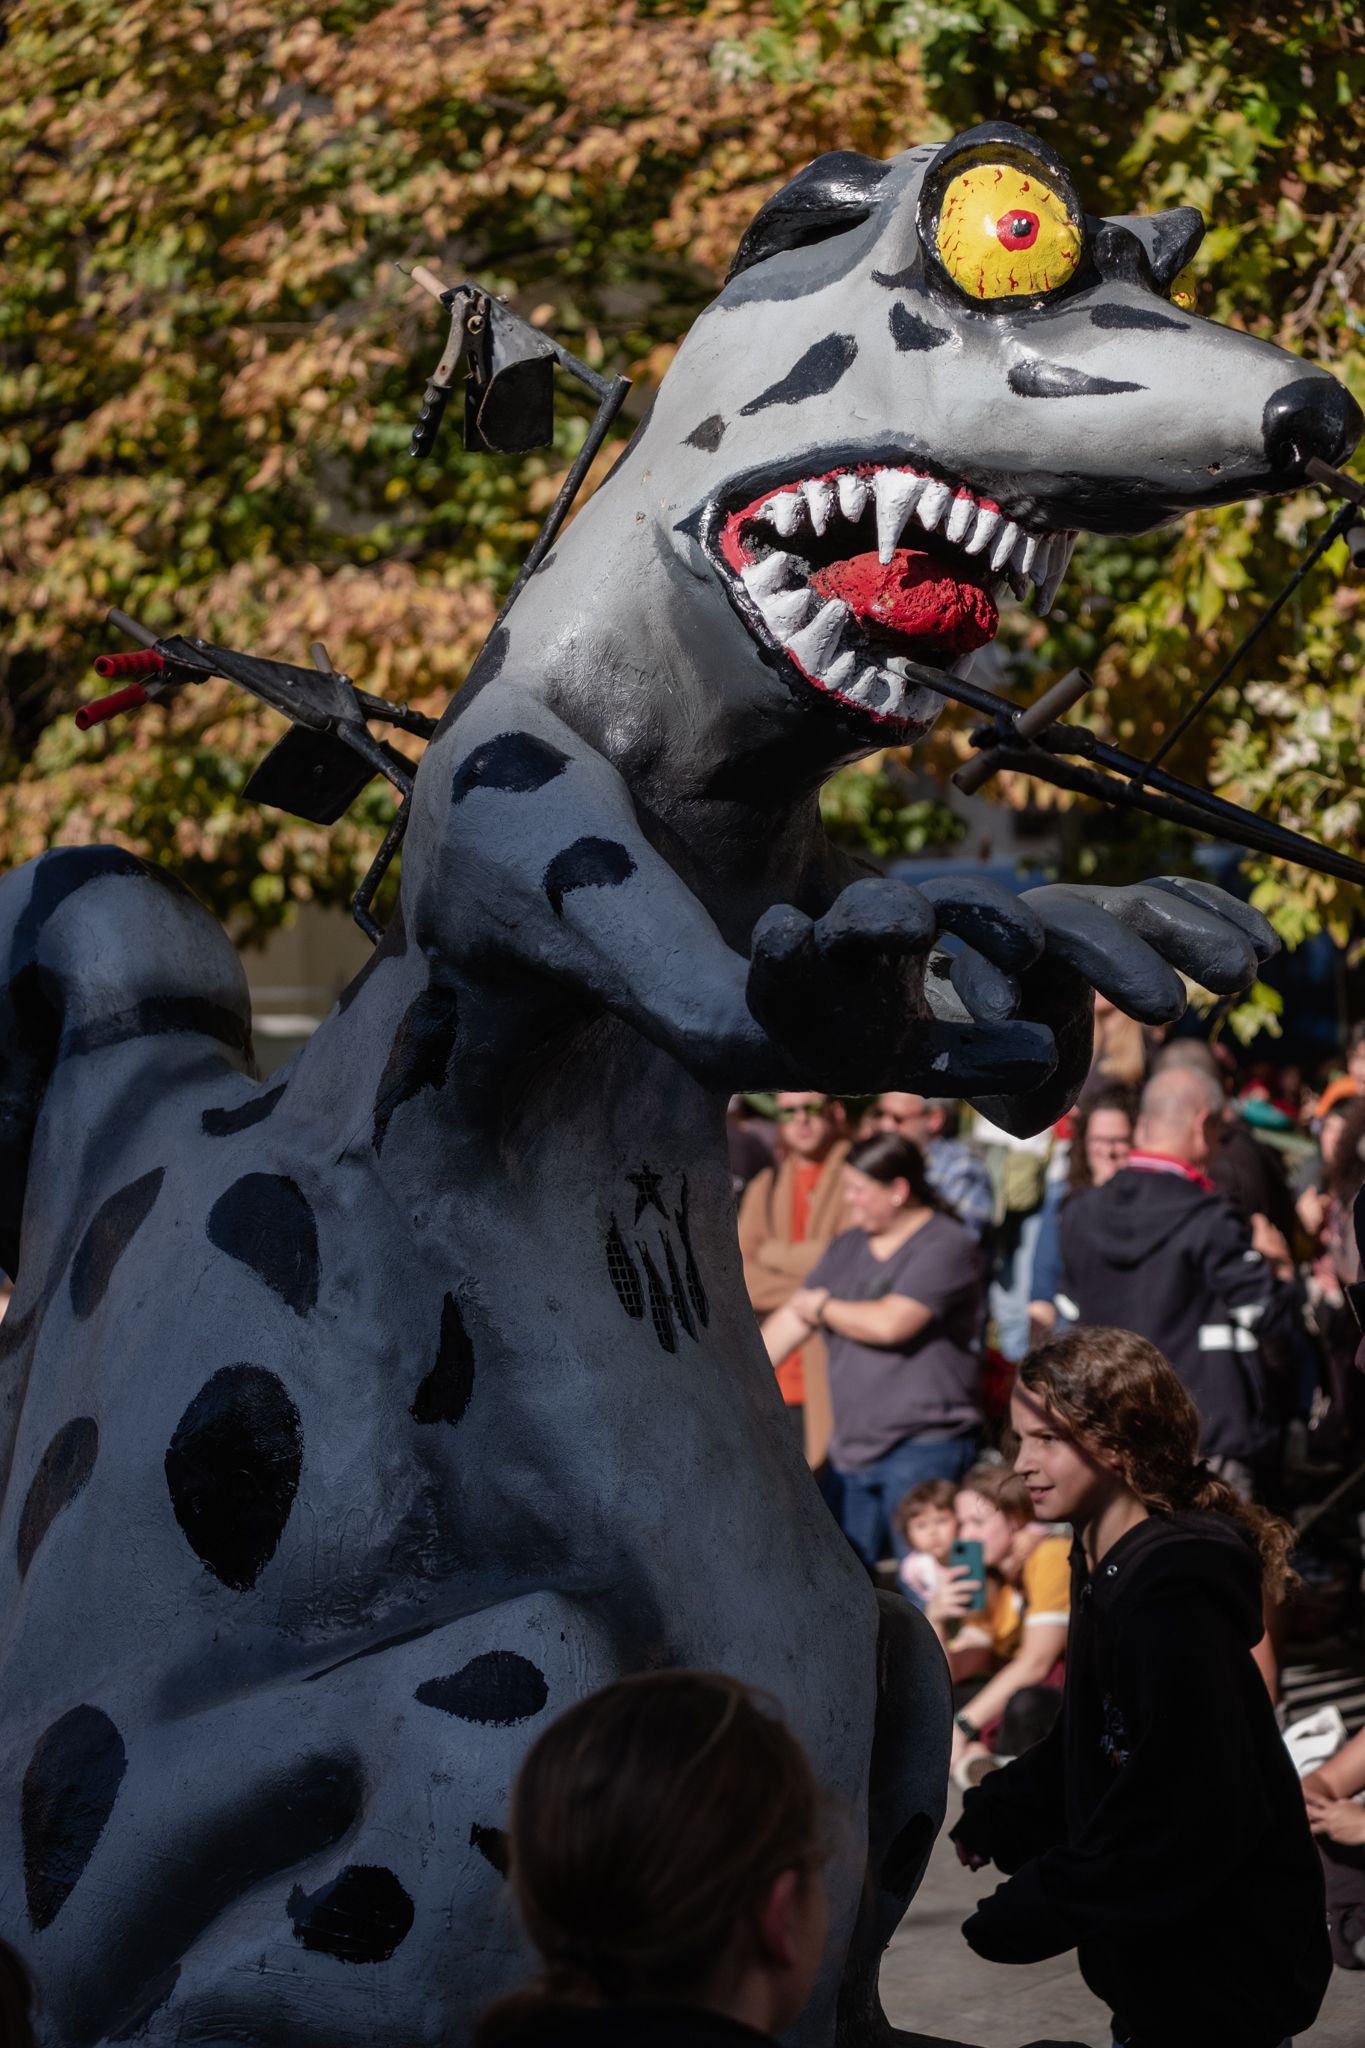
[{"x": 428, "y": 426}]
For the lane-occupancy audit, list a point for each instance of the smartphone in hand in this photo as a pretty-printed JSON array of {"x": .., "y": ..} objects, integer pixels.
[{"x": 972, "y": 1557}]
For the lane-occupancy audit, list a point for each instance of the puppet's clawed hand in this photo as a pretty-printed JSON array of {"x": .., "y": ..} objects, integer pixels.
[{"x": 848, "y": 996}]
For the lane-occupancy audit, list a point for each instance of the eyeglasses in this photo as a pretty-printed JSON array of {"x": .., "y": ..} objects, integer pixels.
[{"x": 811, "y": 1109}]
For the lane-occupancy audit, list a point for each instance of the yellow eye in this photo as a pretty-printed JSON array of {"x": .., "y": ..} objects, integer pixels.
[
  {"x": 1185, "y": 290},
  {"x": 1003, "y": 233}
]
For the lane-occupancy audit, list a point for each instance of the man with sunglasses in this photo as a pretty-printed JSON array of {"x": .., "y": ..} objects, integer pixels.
[{"x": 787, "y": 1218}]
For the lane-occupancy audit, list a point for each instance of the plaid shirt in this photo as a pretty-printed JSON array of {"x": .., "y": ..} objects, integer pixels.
[{"x": 962, "y": 1180}]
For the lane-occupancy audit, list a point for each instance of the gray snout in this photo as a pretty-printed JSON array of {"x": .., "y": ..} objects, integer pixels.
[{"x": 1311, "y": 416}]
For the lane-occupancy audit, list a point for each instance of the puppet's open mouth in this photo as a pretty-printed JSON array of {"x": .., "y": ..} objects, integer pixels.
[{"x": 857, "y": 571}]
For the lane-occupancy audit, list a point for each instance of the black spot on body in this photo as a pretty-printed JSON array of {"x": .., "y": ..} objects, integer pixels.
[
  {"x": 898, "y": 280},
  {"x": 1034, "y": 379},
  {"x": 498, "y": 1688},
  {"x": 905, "y": 1859},
  {"x": 545, "y": 562},
  {"x": 69, "y": 1791},
  {"x": 265, "y": 1221},
  {"x": 61, "y": 873},
  {"x": 63, "y": 1470},
  {"x": 708, "y": 433},
  {"x": 493, "y": 1845},
  {"x": 419, "y": 1057},
  {"x": 660, "y": 1308},
  {"x": 446, "y": 1391},
  {"x": 817, "y": 372},
  {"x": 1124, "y": 318},
  {"x": 233, "y": 1470},
  {"x": 695, "y": 1288},
  {"x": 623, "y": 1275},
  {"x": 159, "y": 1017},
  {"x": 362, "y": 1916},
  {"x": 515, "y": 761},
  {"x": 587, "y": 864},
  {"x": 677, "y": 1293},
  {"x": 133, "y": 2019},
  {"x": 112, "y": 1229},
  {"x": 909, "y": 331},
  {"x": 225, "y": 1123}
]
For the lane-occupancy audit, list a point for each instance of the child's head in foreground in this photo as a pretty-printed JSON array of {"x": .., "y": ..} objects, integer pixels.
[
  {"x": 926, "y": 1518},
  {"x": 666, "y": 1847},
  {"x": 1100, "y": 1413}
]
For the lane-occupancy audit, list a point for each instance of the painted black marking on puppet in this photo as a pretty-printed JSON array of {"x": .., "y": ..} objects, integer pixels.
[
  {"x": 708, "y": 433},
  {"x": 815, "y": 373},
  {"x": 225, "y": 1123},
  {"x": 60, "y": 873},
  {"x": 1034, "y": 379},
  {"x": 587, "y": 864},
  {"x": 648, "y": 1186},
  {"x": 150, "y": 1999},
  {"x": 493, "y": 1845},
  {"x": 696, "y": 1290},
  {"x": 910, "y": 331},
  {"x": 900, "y": 280},
  {"x": 677, "y": 1293},
  {"x": 513, "y": 761},
  {"x": 233, "y": 1470},
  {"x": 362, "y": 1916},
  {"x": 419, "y": 1056},
  {"x": 69, "y": 1790},
  {"x": 1123, "y": 318},
  {"x": 907, "y": 1856},
  {"x": 499, "y": 1688},
  {"x": 63, "y": 1470},
  {"x": 265, "y": 1221},
  {"x": 448, "y": 1388},
  {"x": 393, "y": 1642},
  {"x": 159, "y": 1017},
  {"x": 112, "y": 1229},
  {"x": 622, "y": 1273},
  {"x": 660, "y": 1307}
]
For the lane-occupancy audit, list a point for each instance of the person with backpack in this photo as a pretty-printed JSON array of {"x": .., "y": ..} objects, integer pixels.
[{"x": 1159, "y": 1829}]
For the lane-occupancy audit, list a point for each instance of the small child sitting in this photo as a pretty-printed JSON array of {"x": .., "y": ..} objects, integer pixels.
[{"x": 927, "y": 1521}]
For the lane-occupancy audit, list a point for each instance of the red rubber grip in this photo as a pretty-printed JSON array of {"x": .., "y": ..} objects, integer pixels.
[
  {"x": 110, "y": 707},
  {"x": 144, "y": 662}
]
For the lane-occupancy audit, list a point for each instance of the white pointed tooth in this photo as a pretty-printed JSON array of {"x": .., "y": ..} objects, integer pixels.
[
  {"x": 933, "y": 504},
  {"x": 819, "y": 497},
  {"x": 775, "y": 572},
  {"x": 815, "y": 643},
  {"x": 1058, "y": 555},
  {"x": 896, "y": 697},
  {"x": 960, "y": 516},
  {"x": 786, "y": 610},
  {"x": 869, "y": 689},
  {"x": 840, "y": 673},
  {"x": 896, "y": 491},
  {"x": 1026, "y": 548},
  {"x": 986, "y": 523},
  {"x": 854, "y": 492},
  {"x": 1047, "y": 593},
  {"x": 1018, "y": 582},
  {"x": 786, "y": 512},
  {"x": 1004, "y": 546}
]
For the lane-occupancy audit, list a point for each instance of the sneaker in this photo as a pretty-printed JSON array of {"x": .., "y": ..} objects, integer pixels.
[{"x": 973, "y": 1769}]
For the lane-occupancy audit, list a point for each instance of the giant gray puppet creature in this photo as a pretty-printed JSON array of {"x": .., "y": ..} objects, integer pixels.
[{"x": 357, "y": 1423}]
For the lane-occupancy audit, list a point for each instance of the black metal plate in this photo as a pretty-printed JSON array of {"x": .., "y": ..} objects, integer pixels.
[{"x": 311, "y": 775}]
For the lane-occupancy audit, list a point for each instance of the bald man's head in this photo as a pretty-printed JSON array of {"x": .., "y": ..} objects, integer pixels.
[{"x": 1179, "y": 1110}]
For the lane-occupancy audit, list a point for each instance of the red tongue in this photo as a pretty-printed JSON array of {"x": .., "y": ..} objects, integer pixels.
[{"x": 913, "y": 595}]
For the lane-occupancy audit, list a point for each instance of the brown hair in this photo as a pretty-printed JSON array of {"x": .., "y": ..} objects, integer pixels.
[
  {"x": 1347, "y": 1171},
  {"x": 647, "y": 1822},
  {"x": 930, "y": 1493},
  {"x": 1114, "y": 1096},
  {"x": 1113, "y": 1391},
  {"x": 1002, "y": 1487},
  {"x": 886, "y": 1156}
]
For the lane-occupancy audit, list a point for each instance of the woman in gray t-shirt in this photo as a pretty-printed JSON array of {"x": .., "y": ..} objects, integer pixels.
[{"x": 898, "y": 1302}]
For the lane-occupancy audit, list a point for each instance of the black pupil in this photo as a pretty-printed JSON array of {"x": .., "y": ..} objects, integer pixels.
[{"x": 1020, "y": 225}]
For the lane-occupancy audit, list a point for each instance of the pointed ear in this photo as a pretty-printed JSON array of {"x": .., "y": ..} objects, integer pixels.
[
  {"x": 1168, "y": 239},
  {"x": 832, "y": 194}
]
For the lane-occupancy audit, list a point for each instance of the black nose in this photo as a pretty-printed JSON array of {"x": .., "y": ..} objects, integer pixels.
[{"x": 1311, "y": 416}]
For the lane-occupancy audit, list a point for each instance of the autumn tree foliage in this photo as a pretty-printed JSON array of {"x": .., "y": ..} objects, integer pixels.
[{"x": 209, "y": 364}]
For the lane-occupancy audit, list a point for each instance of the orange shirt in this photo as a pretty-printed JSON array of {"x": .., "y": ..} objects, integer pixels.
[{"x": 791, "y": 1377}]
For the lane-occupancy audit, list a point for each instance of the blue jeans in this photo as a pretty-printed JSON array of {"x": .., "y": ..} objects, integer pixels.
[{"x": 862, "y": 1500}]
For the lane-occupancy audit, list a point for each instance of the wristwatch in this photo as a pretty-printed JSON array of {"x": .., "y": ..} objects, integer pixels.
[{"x": 969, "y": 1728}]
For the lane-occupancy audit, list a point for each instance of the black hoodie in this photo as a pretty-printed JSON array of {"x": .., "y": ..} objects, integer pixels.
[
  {"x": 548, "y": 2025},
  {"x": 1160, "y": 1829},
  {"x": 1155, "y": 1253}
]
